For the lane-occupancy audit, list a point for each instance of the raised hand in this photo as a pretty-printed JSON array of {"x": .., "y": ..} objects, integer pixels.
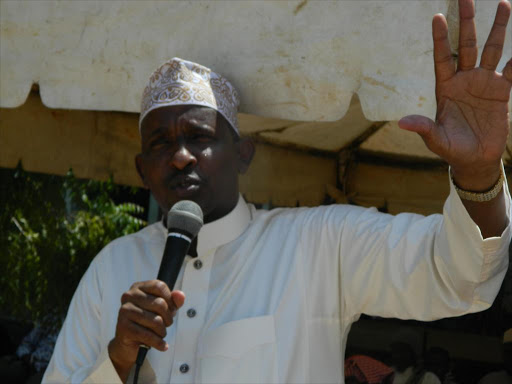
[
  {"x": 147, "y": 309},
  {"x": 471, "y": 126}
]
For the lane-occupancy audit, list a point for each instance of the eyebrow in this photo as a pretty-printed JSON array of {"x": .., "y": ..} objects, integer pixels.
[
  {"x": 194, "y": 123},
  {"x": 156, "y": 132},
  {"x": 201, "y": 124}
]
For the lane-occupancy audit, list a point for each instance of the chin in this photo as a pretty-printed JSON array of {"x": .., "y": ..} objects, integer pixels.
[{"x": 202, "y": 201}]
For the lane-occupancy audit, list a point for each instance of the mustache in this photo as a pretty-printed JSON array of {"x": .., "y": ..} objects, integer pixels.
[{"x": 181, "y": 177}]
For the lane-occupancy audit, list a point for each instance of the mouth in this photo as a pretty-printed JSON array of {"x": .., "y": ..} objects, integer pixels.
[{"x": 185, "y": 185}]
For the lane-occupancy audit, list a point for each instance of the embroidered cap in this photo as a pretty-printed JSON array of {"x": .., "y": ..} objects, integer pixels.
[{"x": 181, "y": 82}]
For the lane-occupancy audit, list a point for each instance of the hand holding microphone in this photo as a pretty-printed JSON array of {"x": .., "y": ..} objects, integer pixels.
[{"x": 148, "y": 307}]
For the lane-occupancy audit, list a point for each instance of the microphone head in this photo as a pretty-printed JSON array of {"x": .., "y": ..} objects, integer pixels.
[{"x": 185, "y": 216}]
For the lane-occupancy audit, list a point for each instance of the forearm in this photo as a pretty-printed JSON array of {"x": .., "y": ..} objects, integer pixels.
[{"x": 490, "y": 216}]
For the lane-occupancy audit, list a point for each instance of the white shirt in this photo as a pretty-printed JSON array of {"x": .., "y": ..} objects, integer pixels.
[{"x": 278, "y": 290}]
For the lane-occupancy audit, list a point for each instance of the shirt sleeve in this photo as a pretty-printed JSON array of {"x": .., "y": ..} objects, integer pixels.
[
  {"x": 414, "y": 267},
  {"x": 80, "y": 355},
  {"x": 406, "y": 266}
]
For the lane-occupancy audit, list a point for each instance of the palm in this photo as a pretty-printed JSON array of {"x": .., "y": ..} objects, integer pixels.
[
  {"x": 472, "y": 117},
  {"x": 471, "y": 124}
]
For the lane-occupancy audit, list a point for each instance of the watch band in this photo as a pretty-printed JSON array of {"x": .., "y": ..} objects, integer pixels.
[{"x": 480, "y": 196}]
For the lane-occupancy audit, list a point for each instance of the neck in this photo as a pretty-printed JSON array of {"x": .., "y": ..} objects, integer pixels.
[{"x": 221, "y": 211}]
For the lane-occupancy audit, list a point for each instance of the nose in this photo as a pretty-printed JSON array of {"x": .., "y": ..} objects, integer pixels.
[{"x": 183, "y": 158}]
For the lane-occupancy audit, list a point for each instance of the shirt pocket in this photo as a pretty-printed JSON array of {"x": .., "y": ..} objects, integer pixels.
[{"x": 242, "y": 351}]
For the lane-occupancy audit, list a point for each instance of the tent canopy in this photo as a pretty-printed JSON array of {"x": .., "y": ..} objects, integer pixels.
[
  {"x": 290, "y": 60},
  {"x": 322, "y": 76}
]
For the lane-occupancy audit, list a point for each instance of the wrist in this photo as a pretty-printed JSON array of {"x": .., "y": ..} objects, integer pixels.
[
  {"x": 121, "y": 366},
  {"x": 475, "y": 179}
]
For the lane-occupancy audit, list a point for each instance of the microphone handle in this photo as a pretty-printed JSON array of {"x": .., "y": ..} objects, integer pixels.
[{"x": 176, "y": 248}]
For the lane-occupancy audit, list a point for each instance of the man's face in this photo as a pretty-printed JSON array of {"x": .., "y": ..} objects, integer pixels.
[{"x": 189, "y": 153}]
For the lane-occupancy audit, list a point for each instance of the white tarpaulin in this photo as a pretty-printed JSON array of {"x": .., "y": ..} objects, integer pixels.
[{"x": 289, "y": 59}]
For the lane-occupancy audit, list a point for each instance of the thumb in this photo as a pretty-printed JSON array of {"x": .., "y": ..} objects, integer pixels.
[
  {"x": 420, "y": 124},
  {"x": 178, "y": 297},
  {"x": 428, "y": 130}
]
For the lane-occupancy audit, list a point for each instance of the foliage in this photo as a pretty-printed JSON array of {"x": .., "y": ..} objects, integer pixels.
[{"x": 50, "y": 230}]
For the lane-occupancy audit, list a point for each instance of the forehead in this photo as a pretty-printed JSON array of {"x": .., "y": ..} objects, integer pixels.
[
  {"x": 167, "y": 115},
  {"x": 175, "y": 112}
]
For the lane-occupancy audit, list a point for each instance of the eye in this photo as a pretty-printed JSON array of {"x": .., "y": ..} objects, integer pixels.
[
  {"x": 158, "y": 142},
  {"x": 201, "y": 137}
]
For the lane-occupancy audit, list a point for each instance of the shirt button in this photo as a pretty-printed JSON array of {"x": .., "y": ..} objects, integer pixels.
[
  {"x": 198, "y": 264},
  {"x": 191, "y": 312},
  {"x": 184, "y": 368}
]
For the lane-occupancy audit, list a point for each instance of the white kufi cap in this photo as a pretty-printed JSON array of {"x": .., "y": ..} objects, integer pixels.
[{"x": 181, "y": 82}]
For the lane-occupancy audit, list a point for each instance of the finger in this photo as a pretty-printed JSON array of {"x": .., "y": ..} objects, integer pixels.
[
  {"x": 493, "y": 48},
  {"x": 150, "y": 303},
  {"x": 507, "y": 71},
  {"x": 444, "y": 65},
  {"x": 415, "y": 123},
  {"x": 141, "y": 335},
  {"x": 144, "y": 318},
  {"x": 468, "y": 51},
  {"x": 178, "y": 298},
  {"x": 156, "y": 288}
]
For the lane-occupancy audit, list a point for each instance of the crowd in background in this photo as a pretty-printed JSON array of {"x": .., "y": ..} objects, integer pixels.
[{"x": 433, "y": 367}]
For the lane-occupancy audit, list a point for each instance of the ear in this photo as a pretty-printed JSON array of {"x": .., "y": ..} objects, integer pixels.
[
  {"x": 246, "y": 150},
  {"x": 139, "y": 165}
]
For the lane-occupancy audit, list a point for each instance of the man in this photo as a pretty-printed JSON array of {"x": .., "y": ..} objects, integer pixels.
[{"x": 270, "y": 296}]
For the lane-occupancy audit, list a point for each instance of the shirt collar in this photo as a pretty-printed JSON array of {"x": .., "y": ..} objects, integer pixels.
[{"x": 225, "y": 229}]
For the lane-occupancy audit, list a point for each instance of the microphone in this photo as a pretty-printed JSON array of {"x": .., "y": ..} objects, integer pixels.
[{"x": 184, "y": 221}]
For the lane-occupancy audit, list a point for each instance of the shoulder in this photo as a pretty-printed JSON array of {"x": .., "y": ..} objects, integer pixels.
[
  {"x": 151, "y": 233},
  {"x": 308, "y": 213},
  {"x": 148, "y": 237},
  {"x": 304, "y": 220}
]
